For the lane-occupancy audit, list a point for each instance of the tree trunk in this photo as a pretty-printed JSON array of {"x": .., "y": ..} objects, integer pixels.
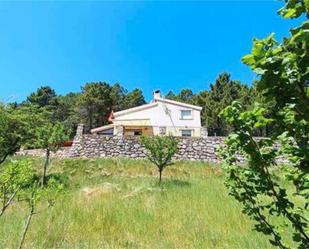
[
  {"x": 90, "y": 119},
  {"x": 8, "y": 203},
  {"x": 266, "y": 130},
  {"x": 3, "y": 158},
  {"x": 14, "y": 148},
  {"x": 26, "y": 226},
  {"x": 45, "y": 167},
  {"x": 160, "y": 175}
]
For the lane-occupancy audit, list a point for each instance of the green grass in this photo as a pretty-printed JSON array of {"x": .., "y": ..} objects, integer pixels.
[{"x": 118, "y": 203}]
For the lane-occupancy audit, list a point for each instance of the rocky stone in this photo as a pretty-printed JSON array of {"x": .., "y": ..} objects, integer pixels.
[{"x": 93, "y": 145}]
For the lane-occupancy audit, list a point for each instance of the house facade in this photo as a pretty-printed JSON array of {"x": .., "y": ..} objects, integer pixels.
[{"x": 160, "y": 117}]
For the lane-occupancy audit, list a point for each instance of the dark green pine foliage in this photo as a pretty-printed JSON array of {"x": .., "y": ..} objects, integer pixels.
[
  {"x": 221, "y": 94},
  {"x": 95, "y": 103},
  {"x": 44, "y": 96},
  {"x": 134, "y": 98}
]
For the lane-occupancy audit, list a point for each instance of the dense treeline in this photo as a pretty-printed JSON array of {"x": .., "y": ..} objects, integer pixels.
[
  {"x": 221, "y": 94},
  {"x": 93, "y": 104}
]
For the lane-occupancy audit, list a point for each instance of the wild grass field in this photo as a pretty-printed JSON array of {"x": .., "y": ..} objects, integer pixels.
[{"x": 117, "y": 203}]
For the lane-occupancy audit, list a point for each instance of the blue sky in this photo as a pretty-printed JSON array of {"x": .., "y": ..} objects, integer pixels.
[{"x": 147, "y": 45}]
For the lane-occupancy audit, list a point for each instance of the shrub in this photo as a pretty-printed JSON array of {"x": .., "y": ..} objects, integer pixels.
[{"x": 160, "y": 151}]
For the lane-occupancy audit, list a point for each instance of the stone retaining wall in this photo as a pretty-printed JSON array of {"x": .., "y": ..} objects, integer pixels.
[
  {"x": 96, "y": 145},
  {"x": 189, "y": 148},
  {"x": 92, "y": 145},
  {"x": 64, "y": 152}
]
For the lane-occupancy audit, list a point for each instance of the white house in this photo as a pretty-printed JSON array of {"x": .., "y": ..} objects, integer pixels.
[{"x": 160, "y": 117}]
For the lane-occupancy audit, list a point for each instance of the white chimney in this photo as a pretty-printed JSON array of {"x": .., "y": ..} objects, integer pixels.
[{"x": 156, "y": 94}]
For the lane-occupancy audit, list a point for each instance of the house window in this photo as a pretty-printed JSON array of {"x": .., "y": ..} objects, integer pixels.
[
  {"x": 162, "y": 130},
  {"x": 186, "y": 114},
  {"x": 186, "y": 133},
  {"x": 138, "y": 133},
  {"x": 133, "y": 132}
]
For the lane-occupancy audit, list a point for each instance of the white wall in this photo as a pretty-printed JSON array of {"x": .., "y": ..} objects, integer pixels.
[{"x": 158, "y": 116}]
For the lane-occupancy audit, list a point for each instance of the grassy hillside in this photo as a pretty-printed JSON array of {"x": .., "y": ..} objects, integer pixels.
[{"x": 117, "y": 203}]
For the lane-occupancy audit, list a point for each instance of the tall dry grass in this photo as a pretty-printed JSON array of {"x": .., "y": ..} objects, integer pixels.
[{"x": 117, "y": 203}]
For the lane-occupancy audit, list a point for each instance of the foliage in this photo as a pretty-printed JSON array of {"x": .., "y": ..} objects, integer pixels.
[
  {"x": 221, "y": 94},
  {"x": 67, "y": 112},
  {"x": 18, "y": 125},
  {"x": 49, "y": 137},
  {"x": 284, "y": 74},
  {"x": 44, "y": 96},
  {"x": 10, "y": 137},
  {"x": 122, "y": 99},
  {"x": 98, "y": 99},
  {"x": 38, "y": 130},
  {"x": 28, "y": 126},
  {"x": 18, "y": 181},
  {"x": 92, "y": 106},
  {"x": 60, "y": 108},
  {"x": 294, "y": 8},
  {"x": 95, "y": 103},
  {"x": 30, "y": 119},
  {"x": 160, "y": 150},
  {"x": 134, "y": 98},
  {"x": 35, "y": 194},
  {"x": 118, "y": 95},
  {"x": 15, "y": 176},
  {"x": 171, "y": 95},
  {"x": 185, "y": 95}
]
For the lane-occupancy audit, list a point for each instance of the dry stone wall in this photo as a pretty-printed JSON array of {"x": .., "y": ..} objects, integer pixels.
[
  {"x": 64, "y": 152},
  {"x": 189, "y": 148},
  {"x": 92, "y": 145},
  {"x": 95, "y": 145}
]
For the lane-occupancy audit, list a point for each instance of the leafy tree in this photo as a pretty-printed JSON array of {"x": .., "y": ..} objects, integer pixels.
[
  {"x": 221, "y": 94},
  {"x": 14, "y": 177},
  {"x": 171, "y": 95},
  {"x": 38, "y": 130},
  {"x": 10, "y": 137},
  {"x": 35, "y": 195},
  {"x": 95, "y": 103},
  {"x": 49, "y": 137},
  {"x": 118, "y": 95},
  {"x": 185, "y": 95},
  {"x": 29, "y": 117},
  {"x": 31, "y": 198},
  {"x": 67, "y": 112},
  {"x": 284, "y": 74},
  {"x": 17, "y": 127},
  {"x": 62, "y": 108},
  {"x": 134, "y": 98},
  {"x": 97, "y": 100},
  {"x": 160, "y": 149},
  {"x": 258, "y": 97},
  {"x": 19, "y": 181},
  {"x": 44, "y": 96},
  {"x": 92, "y": 106}
]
